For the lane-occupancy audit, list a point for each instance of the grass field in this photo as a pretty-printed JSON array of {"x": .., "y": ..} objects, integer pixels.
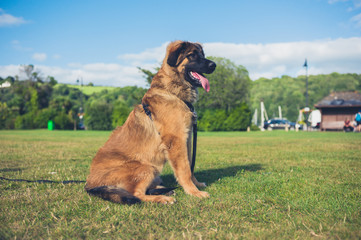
[
  {"x": 263, "y": 185},
  {"x": 89, "y": 90}
]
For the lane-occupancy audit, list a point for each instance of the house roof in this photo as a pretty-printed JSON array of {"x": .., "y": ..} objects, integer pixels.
[{"x": 341, "y": 99}]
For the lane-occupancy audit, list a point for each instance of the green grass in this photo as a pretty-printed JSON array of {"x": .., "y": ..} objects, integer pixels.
[
  {"x": 263, "y": 185},
  {"x": 89, "y": 90}
]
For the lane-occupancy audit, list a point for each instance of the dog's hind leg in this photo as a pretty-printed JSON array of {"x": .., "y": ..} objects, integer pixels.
[
  {"x": 144, "y": 182},
  {"x": 113, "y": 194},
  {"x": 126, "y": 184}
]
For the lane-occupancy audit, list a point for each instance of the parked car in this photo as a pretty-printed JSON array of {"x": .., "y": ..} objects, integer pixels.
[{"x": 277, "y": 123}]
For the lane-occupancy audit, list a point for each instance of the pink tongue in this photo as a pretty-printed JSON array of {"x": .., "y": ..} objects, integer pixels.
[{"x": 203, "y": 80}]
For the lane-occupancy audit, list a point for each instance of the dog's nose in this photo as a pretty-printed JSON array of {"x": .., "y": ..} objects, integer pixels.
[{"x": 212, "y": 66}]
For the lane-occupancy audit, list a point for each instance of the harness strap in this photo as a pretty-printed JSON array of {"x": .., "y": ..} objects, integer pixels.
[
  {"x": 194, "y": 146},
  {"x": 147, "y": 111}
]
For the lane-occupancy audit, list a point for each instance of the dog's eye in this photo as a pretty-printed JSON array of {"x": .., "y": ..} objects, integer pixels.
[{"x": 192, "y": 56}]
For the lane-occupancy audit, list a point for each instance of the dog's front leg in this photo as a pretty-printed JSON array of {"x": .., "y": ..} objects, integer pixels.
[
  {"x": 178, "y": 158},
  {"x": 189, "y": 150}
]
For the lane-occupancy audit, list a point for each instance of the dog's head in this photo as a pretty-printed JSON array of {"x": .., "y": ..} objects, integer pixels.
[{"x": 188, "y": 60}]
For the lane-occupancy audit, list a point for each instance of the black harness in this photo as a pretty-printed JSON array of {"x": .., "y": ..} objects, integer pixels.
[
  {"x": 147, "y": 111},
  {"x": 191, "y": 108}
]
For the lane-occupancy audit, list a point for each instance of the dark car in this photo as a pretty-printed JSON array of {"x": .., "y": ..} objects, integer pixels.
[{"x": 279, "y": 124}]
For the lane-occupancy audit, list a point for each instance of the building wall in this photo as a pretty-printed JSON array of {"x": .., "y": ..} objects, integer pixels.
[{"x": 334, "y": 118}]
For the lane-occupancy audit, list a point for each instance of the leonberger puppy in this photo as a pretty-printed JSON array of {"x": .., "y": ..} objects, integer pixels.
[{"x": 156, "y": 131}]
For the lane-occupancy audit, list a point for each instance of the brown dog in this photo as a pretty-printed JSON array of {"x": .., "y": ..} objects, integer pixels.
[{"x": 157, "y": 131}]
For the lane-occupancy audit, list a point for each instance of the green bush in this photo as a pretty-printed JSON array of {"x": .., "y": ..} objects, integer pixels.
[
  {"x": 239, "y": 119},
  {"x": 212, "y": 120},
  {"x": 7, "y": 116},
  {"x": 25, "y": 121},
  {"x": 63, "y": 121},
  {"x": 120, "y": 114},
  {"x": 43, "y": 116},
  {"x": 98, "y": 116}
]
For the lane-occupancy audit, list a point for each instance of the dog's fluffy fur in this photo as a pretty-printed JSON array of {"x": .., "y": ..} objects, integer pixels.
[{"x": 131, "y": 160}]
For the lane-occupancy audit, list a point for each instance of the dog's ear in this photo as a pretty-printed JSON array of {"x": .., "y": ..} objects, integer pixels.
[
  {"x": 175, "y": 50},
  {"x": 200, "y": 48}
]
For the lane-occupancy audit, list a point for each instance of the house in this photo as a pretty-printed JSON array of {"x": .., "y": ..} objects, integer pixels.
[
  {"x": 5, "y": 84},
  {"x": 337, "y": 107}
]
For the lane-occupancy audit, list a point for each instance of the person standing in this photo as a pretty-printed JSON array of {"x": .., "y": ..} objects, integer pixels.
[{"x": 358, "y": 121}]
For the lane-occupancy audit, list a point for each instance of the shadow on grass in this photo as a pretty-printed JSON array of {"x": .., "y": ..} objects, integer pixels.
[{"x": 213, "y": 175}]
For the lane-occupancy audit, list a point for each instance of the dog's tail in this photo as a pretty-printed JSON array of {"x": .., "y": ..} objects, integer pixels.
[{"x": 113, "y": 194}]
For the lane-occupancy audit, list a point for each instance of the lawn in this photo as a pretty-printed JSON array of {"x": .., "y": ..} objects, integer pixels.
[
  {"x": 89, "y": 90},
  {"x": 263, "y": 185}
]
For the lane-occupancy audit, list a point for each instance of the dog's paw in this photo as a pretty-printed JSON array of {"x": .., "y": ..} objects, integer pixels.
[
  {"x": 164, "y": 200},
  {"x": 200, "y": 194}
]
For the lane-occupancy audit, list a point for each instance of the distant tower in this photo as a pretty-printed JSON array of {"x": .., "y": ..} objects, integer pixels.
[{"x": 306, "y": 66}]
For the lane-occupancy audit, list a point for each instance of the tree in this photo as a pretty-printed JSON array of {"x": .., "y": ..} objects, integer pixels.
[
  {"x": 120, "y": 113},
  {"x": 43, "y": 116},
  {"x": 31, "y": 74},
  {"x": 52, "y": 81},
  {"x": 98, "y": 116},
  {"x": 230, "y": 85},
  {"x": 148, "y": 75},
  {"x": 212, "y": 120},
  {"x": 5, "y": 113},
  {"x": 238, "y": 119},
  {"x": 289, "y": 93},
  {"x": 25, "y": 121},
  {"x": 63, "y": 121},
  {"x": 28, "y": 70}
]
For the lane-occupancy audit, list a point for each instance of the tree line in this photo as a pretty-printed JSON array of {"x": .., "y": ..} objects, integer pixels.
[
  {"x": 31, "y": 103},
  {"x": 289, "y": 93}
]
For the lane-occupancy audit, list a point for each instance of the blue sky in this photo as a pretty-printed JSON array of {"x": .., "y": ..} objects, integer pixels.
[{"x": 104, "y": 41}]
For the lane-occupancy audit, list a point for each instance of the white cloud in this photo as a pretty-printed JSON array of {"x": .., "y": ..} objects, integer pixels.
[
  {"x": 9, "y": 70},
  {"x": 152, "y": 54},
  {"x": 39, "y": 57},
  {"x": 9, "y": 20},
  {"x": 98, "y": 73},
  {"x": 261, "y": 60},
  {"x": 274, "y": 60}
]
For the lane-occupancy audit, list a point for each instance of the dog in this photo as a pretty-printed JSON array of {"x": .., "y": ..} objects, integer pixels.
[{"x": 156, "y": 131}]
